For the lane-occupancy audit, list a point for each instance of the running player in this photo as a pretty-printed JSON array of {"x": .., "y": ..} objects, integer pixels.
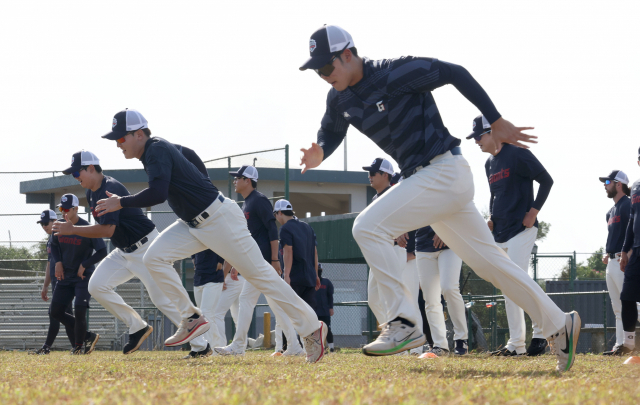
[
  {"x": 616, "y": 184},
  {"x": 258, "y": 212},
  {"x": 630, "y": 265},
  {"x": 514, "y": 223},
  {"x": 130, "y": 232},
  {"x": 75, "y": 261},
  {"x": 207, "y": 220},
  {"x": 47, "y": 219},
  {"x": 439, "y": 270},
  {"x": 390, "y": 101}
]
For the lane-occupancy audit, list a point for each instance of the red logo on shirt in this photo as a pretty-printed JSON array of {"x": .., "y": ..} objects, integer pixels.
[
  {"x": 70, "y": 240},
  {"x": 246, "y": 215},
  {"x": 614, "y": 220},
  {"x": 635, "y": 199},
  {"x": 502, "y": 174}
]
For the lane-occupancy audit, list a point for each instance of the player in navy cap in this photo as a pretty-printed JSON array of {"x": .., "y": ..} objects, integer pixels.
[
  {"x": 47, "y": 219},
  {"x": 131, "y": 233},
  {"x": 207, "y": 220},
  {"x": 630, "y": 265},
  {"x": 75, "y": 262},
  {"x": 391, "y": 102},
  {"x": 258, "y": 212},
  {"x": 616, "y": 185},
  {"x": 514, "y": 209},
  {"x": 324, "y": 304}
]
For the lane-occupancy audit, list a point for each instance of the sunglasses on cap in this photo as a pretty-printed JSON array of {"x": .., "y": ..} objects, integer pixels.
[
  {"x": 77, "y": 174},
  {"x": 607, "y": 181},
  {"x": 64, "y": 209},
  {"x": 327, "y": 69}
]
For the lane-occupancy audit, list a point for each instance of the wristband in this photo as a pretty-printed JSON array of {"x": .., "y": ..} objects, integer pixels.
[{"x": 275, "y": 260}]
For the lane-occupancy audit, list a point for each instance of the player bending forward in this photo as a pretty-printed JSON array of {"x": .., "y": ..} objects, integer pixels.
[{"x": 390, "y": 101}]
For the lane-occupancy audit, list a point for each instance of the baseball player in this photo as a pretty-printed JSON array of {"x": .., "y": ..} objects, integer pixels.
[
  {"x": 47, "y": 219},
  {"x": 514, "y": 224},
  {"x": 258, "y": 212},
  {"x": 390, "y": 101},
  {"x": 299, "y": 253},
  {"x": 324, "y": 304},
  {"x": 208, "y": 282},
  {"x": 616, "y": 184},
  {"x": 630, "y": 265},
  {"x": 229, "y": 300},
  {"x": 206, "y": 220},
  {"x": 75, "y": 262},
  {"x": 439, "y": 271},
  {"x": 131, "y": 233}
]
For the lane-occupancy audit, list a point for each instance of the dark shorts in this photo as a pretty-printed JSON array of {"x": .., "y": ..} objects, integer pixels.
[
  {"x": 631, "y": 285},
  {"x": 325, "y": 319},
  {"x": 308, "y": 294},
  {"x": 65, "y": 292}
]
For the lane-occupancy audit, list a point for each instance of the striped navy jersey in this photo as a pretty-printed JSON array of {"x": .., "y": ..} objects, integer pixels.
[{"x": 392, "y": 105}]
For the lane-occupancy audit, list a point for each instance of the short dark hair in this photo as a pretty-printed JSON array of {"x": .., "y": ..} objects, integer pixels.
[
  {"x": 353, "y": 50},
  {"x": 625, "y": 189},
  {"x": 254, "y": 183},
  {"x": 98, "y": 168},
  {"x": 288, "y": 213},
  {"x": 146, "y": 131}
]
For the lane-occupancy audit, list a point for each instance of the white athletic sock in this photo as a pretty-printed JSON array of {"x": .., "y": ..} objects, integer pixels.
[
  {"x": 630, "y": 340},
  {"x": 330, "y": 345}
]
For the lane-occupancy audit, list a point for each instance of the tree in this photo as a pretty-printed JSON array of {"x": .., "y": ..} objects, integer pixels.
[
  {"x": 593, "y": 269},
  {"x": 543, "y": 231}
]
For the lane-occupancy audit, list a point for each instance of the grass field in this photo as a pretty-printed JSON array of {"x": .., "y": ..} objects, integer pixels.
[{"x": 347, "y": 377}]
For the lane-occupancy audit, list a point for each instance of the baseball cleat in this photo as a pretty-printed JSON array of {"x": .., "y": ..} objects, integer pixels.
[
  {"x": 618, "y": 351},
  {"x": 537, "y": 347},
  {"x": 42, "y": 351},
  {"x": 417, "y": 351},
  {"x": 189, "y": 328},
  {"x": 504, "y": 352},
  {"x": 277, "y": 353},
  {"x": 461, "y": 347},
  {"x": 203, "y": 353},
  {"x": 315, "y": 343},
  {"x": 77, "y": 350},
  {"x": 395, "y": 338},
  {"x": 439, "y": 351},
  {"x": 563, "y": 343},
  {"x": 230, "y": 350},
  {"x": 90, "y": 342},
  {"x": 136, "y": 339},
  {"x": 294, "y": 351}
]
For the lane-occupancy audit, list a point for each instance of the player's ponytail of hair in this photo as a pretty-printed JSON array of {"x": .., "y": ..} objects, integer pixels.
[{"x": 625, "y": 189}]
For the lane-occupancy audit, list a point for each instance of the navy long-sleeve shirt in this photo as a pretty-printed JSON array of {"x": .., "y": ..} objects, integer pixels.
[
  {"x": 324, "y": 297},
  {"x": 261, "y": 223},
  {"x": 632, "y": 238},
  {"x": 393, "y": 106},
  {"x": 617, "y": 221},
  {"x": 205, "y": 264}
]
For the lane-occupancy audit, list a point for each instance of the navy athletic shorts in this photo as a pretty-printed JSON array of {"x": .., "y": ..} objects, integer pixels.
[
  {"x": 66, "y": 291},
  {"x": 631, "y": 285}
]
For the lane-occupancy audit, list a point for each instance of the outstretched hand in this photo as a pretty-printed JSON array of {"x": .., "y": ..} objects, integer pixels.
[
  {"x": 312, "y": 157},
  {"x": 63, "y": 228},
  {"x": 107, "y": 205},
  {"x": 503, "y": 131}
]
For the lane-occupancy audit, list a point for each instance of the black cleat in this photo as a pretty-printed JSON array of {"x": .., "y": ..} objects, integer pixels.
[
  {"x": 461, "y": 347},
  {"x": 196, "y": 355},
  {"x": 77, "y": 350},
  {"x": 537, "y": 347},
  {"x": 42, "y": 351},
  {"x": 617, "y": 351},
  {"x": 504, "y": 352},
  {"x": 136, "y": 340},
  {"x": 90, "y": 342}
]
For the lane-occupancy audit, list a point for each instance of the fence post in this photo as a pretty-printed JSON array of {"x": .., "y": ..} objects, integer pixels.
[
  {"x": 573, "y": 277},
  {"x": 266, "y": 329},
  {"x": 286, "y": 172},
  {"x": 469, "y": 325},
  {"x": 535, "y": 267},
  {"x": 229, "y": 177}
]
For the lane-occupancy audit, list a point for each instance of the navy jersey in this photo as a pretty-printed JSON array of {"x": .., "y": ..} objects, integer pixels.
[
  {"x": 74, "y": 250},
  {"x": 424, "y": 240},
  {"x": 51, "y": 262},
  {"x": 632, "y": 238},
  {"x": 190, "y": 191},
  {"x": 260, "y": 220},
  {"x": 300, "y": 236},
  {"x": 324, "y": 298},
  {"x": 510, "y": 174},
  {"x": 131, "y": 223},
  {"x": 393, "y": 106},
  {"x": 617, "y": 221},
  {"x": 206, "y": 268}
]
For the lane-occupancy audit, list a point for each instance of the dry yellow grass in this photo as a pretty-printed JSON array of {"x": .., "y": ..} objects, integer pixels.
[{"x": 342, "y": 378}]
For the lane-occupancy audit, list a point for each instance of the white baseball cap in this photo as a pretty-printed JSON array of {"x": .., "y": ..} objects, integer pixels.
[
  {"x": 125, "y": 121},
  {"x": 68, "y": 201},
  {"x": 47, "y": 216},
  {"x": 616, "y": 175},
  {"x": 324, "y": 42},
  {"x": 282, "y": 205},
  {"x": 247, "y": 171},
  {"x": 380, "y": 165},
  {"x": 79, "y": 159}
]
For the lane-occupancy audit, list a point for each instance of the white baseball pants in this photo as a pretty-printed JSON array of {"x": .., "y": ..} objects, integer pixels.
[
  {"x": 207, "y": 299},
  {"x": 411, "y": 280},
  {"x": 615, "y": 279},
  {"x": 118, "y": 268},
  {"x": 519, "y": 249},
  {"x": 440, "y": 275},
  {"x": 441, "y": 195},
  {"x": 376, "y": 301},
  {"x": 229, "y": 300},
  {"x": 225, "y": 230}
]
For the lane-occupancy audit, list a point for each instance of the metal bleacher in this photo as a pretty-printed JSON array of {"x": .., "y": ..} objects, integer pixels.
[{"x": 24, "y": 319}]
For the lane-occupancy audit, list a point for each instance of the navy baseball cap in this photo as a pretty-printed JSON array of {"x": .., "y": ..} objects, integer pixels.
[
  {"x": 47, "y": 216},
  {"x": 616, "y": 175},
  {"x": 397, "y": 178},
  {"x": 80, "y": 159},
  {"x": 380, "y": 165},
  {"x": 68, "y": 201},
  {"x": 324, "y": 43},
  {"x": 125, "y": 121},
  {"x": 480, "y": 127},
  {"x": 247, "y": 171}
]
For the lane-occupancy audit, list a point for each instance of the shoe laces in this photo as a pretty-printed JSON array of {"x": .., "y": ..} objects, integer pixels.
[
  {"x": 386, "y": 332},
  {"x": 311, "y": 339}
]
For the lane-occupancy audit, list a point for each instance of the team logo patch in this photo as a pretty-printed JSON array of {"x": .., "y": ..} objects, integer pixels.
[
  {"x": 474, "y": 125},
  {"x": 312, "y": 45},
  {"x": 114, "y": 123},
  {"x": 64, "y": 199},
  {"x": 72, "y": 159},
  {"x": 42, "y": 215}
]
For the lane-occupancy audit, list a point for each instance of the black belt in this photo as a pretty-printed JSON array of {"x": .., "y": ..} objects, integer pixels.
[
  {"x": 200, "y": 218},
  {"x": 455, "y": 151},
  {"x": 612, "y": 255},
  {"x": 136, "y": 245}
]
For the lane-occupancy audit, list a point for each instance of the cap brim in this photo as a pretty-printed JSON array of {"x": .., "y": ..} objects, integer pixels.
[
  {"x": 603, "y": 179},
  {"x": 474, "y": 135},
  {"x": 235, "y": 174},
  {"x": 71, "y": 169},
  {"x": 316, "y": 62},
  {"x": 367, "y": 168},
  {"x": 114, "y": 135}
]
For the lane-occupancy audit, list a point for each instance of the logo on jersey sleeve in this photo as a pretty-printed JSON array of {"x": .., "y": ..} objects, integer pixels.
[
  {"x": 380, "y": 106},
  {"x": 502, "y": 174},
  {"x": 312, "y": 47}
]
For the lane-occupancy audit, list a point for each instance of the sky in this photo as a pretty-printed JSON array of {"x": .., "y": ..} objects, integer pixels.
[{"x": 223, "y": 78}]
